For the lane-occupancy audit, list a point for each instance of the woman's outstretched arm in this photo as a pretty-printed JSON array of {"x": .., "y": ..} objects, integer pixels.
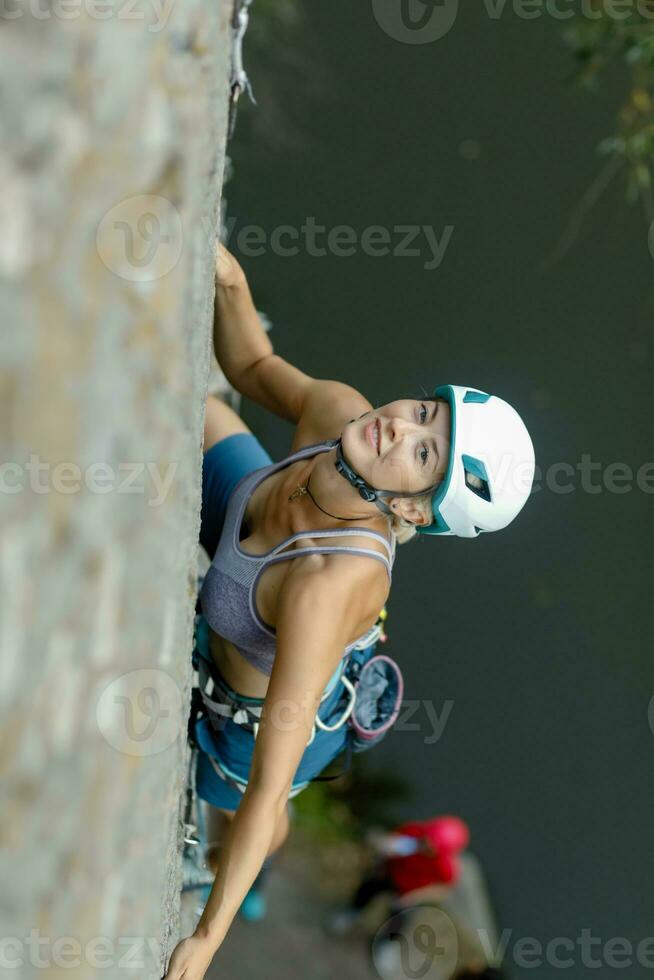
[
  {"x": 239, "y": 339},
  {"x": 318, "y": 611},
  {"x": 242, "y": 346},
  {"x": 246, "y": 355},
  {"x": 321, "y": 607}
]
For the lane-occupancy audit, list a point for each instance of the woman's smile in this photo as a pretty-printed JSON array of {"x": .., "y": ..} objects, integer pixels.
[{"x": 373, "y": 435}]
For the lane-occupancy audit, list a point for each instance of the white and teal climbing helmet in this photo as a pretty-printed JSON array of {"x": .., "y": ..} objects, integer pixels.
[
  {"x": 489, "y": 474},
  {"x": 491, "y": 466}
]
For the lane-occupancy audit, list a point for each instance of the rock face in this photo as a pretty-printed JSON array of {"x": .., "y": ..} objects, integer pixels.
[{"x": 113, "y": 120}]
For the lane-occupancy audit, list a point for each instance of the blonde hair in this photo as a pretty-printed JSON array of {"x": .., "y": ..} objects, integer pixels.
[{"x": 403, "y": 530}]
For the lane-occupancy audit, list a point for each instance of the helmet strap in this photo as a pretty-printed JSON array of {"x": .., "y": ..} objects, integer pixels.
[{"x": 366, "y": 491}]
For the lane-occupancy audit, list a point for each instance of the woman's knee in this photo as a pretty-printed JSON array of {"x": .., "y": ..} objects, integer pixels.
[
  {"x": 220, "y": 421},
  {"x": 217, "y": 822}
]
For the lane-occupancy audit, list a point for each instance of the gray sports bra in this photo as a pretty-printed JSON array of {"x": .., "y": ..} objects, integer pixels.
[{"x": 227, "y": 596}]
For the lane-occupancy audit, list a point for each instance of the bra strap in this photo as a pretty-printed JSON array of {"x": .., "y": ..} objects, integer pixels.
[
  {"x": 337, "y": 532},
  {"x": 329, "y": 551}
]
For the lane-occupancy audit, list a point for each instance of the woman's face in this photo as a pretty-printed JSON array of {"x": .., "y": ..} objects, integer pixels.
[{"x": 402, "y": 446}]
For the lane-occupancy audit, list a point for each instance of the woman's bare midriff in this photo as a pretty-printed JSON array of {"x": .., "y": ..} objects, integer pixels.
[
  {"x": 266, "y": 530},
  {"x": 241, "y": 676}
]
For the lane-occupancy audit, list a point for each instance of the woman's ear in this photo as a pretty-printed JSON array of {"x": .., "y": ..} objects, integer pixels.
[{"x": 411, "y": 509}]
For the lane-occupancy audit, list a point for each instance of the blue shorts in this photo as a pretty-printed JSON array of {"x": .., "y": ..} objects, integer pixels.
[
  {"x": 227, "y": 462},
  {"x": 231, "y": 749}
]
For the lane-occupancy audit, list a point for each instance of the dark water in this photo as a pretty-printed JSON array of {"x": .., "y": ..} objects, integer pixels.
[{"x": 540, "y": 635}]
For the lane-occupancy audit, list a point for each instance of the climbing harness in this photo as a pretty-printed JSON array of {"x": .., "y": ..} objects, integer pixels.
[{"x": 371, "y": 689}]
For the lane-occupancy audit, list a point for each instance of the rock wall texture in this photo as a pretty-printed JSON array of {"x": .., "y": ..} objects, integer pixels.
[{"x": 113, "y": 119}]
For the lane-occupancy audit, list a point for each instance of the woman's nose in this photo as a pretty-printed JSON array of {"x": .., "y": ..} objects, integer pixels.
[{"x": 399, "y": 427}]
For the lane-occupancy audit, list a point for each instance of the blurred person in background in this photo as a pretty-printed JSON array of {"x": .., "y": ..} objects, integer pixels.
[{"x": 415, "y": 855}]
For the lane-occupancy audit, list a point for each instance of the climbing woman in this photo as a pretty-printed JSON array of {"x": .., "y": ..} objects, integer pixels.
[{"x": 301, "y": 557}]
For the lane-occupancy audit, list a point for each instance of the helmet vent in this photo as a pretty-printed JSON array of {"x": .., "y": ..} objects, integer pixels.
[
  {"x": 476, "y": 477},
  {"x": 476, "y": 396},
  {"x": 478, "y": 486}
]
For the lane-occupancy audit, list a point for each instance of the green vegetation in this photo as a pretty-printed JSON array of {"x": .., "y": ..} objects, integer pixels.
[
  {"x": 599, "y": 45},
  {"x": 343, "y": 809}
]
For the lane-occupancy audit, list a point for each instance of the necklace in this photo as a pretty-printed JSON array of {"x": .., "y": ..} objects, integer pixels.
[{"x": 301, "y": 490}]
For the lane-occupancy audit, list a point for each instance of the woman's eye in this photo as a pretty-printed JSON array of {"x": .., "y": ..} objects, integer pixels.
[{"x": 422, "y": 415}]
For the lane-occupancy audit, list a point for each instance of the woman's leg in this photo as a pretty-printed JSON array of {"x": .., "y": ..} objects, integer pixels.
[
  {"x": 220, "y": 421},
  {"x": 230, "y": 451},
  {"x": 218, "y": 825},
  {"x": 253, "y": 906},
  {"x": 281, "y": 832}
]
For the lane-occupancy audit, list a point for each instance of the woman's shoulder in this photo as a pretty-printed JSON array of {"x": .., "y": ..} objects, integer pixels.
[
  {"x": 356, "y": 585},
  {"x": 329, "y": 406},
  {"x": 363, "y": 581},
  {"x": 332, "y": 553}
]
